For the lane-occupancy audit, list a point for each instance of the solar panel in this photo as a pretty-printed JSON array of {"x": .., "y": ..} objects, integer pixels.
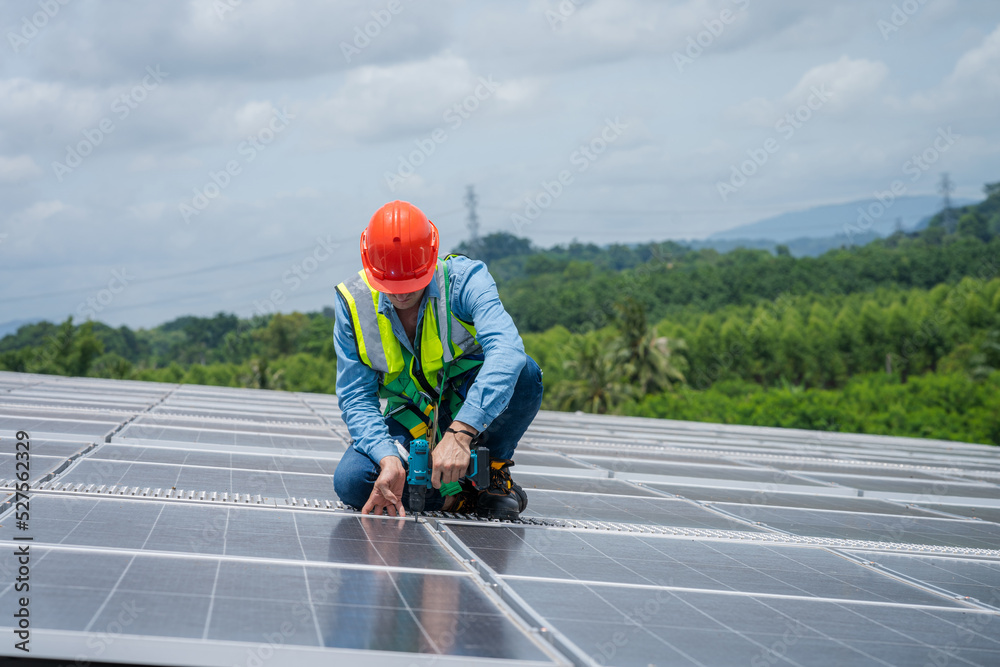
[
  {"x": 239, "y": 601},
  {"x": 629, "y": 467},
  {"x": 876, "y": 527},
  {"x": 40, "y": 467},
  {"x": 632, "y": 626},
  {"x": 820, "y": 501},
  {"x": 535, "y": 553},
  {"x": 59, "y": 448},
  {"x": 49, "y": 427},
  {"x": 304, "y": 427},
  {"x": 531, "y": 480},
  {"x": 527, "y": 458},
  {"x": 216, "y": 459},
  {"x": 320, "y": 442},
  {"x": 238, "y": 415},
  {"x": 913, "y": 487},
  {"x": 199, "y": 526},
  {"x": 969, "y": 577},
  {"x": 984, "y": 513},
  {"x": 212, "y": 479},
  {"x": 628, "y": 509}
]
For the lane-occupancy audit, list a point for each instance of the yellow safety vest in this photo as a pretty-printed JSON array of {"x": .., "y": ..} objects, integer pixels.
[{"x": 444, "y": 343}]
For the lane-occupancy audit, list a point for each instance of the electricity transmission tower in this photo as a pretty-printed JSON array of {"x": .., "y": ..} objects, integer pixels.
[
  {"x": 946, "y": 188},
  {"x": 473, "y": 219}
]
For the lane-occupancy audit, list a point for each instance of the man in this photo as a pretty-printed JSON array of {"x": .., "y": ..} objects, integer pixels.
[{"x": 423, "y": 332}]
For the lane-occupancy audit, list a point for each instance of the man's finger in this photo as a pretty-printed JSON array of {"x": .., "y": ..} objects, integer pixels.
[
  {"x": 396, "y": 508},
  {"x": 436, "y": 477}
]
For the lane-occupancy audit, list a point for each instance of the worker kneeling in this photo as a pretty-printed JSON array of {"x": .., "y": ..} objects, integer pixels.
[{"x": 431, "y": 337}]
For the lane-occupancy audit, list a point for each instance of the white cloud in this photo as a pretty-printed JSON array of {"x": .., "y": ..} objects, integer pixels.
[
  {"x": 251, "y": 40},
  {"x": 971, "y": 91},
  {"x": 18, "y": 168},
  {"x": 377, "y": 103},
  {"x": 980, "y": 67},
  {"x": 148, "y": 211},
  {"x": 852, "y": 84},
  {"x": 154, "y": 161},
  {"x": 839, "y": 87},
  {"x": 39, "y": 212}
]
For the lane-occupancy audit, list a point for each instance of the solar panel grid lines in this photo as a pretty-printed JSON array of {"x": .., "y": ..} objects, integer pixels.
[
  {"x": 225, "y": 577},
  {"x": 845, "y": 571},
  {"x": 557, "y": 623},
  {"x": 829, "y": 441},
  {"x": 530, "y": 616},
  {"x": 946, "y": 590}
]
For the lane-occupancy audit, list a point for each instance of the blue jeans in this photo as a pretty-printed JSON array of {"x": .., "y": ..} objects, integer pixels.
[{"x": 355, "y": 476}]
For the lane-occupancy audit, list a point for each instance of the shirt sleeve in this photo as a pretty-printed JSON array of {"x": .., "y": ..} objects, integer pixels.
[
  {"x": 475, "y": 300},
  {"x": 357, "y": 392}
]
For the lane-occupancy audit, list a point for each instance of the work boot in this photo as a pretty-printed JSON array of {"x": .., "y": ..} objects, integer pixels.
[
  {"x": 503, "y": 499},
  {"x": 466, "y": 500}
]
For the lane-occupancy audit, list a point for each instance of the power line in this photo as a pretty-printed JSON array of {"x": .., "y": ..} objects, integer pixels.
[
  {"x": 172, "y": 276},
  {"x": 592, "y": 211}
]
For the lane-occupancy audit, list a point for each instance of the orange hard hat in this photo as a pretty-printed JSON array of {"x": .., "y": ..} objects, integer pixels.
[{"x": 399, "y": 249}]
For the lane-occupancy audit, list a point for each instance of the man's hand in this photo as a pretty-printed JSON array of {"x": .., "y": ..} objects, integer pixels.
[
  {"x": 450, "y": 458},
  {"x": 388, "y": 492}
]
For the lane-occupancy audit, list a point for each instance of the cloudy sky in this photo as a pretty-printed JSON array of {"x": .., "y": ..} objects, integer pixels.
[{"x": 164, "y": 158}]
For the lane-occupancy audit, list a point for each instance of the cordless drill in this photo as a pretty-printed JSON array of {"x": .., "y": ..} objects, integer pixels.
[{"x": 418, "y": 477}]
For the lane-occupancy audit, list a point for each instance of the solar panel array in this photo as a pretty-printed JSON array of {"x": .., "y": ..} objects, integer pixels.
[{"x": 189, "y": 525}]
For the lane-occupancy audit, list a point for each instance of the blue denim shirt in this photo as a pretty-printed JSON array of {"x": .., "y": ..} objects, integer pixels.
[{"x": 474, "y": 299}]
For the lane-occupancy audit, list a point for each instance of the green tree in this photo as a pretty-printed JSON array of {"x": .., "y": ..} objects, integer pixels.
[
  {"x": 974, "y": 225},
  {"x": 646, "y": 359},
  {"x": 282, "y": 334},
  {"x": 112, "y": 365},
  {"x": 595, "y": 381},
  {"x": 260, "y": 375}
]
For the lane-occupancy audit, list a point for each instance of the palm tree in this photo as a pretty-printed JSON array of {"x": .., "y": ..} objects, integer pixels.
[
  {"x": 602, "y": 374},
  {"x": 595, "y": 381},
  {"x": 646, "y": 359},
  {"x": 262, "y": 377}
]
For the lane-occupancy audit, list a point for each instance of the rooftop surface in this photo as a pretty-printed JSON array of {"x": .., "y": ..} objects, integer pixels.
[{"x": 191, "y": 525}]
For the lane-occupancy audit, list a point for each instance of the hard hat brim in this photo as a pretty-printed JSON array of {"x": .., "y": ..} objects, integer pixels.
[{"x": 400, "y": 286}]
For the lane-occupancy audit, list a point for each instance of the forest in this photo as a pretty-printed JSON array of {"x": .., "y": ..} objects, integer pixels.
[{"x": 900, "y": 336}]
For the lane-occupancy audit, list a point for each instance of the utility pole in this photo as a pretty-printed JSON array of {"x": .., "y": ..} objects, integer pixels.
[
  {"x": 473, "y": 219},
  {"x": 946, "y": 188}
]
